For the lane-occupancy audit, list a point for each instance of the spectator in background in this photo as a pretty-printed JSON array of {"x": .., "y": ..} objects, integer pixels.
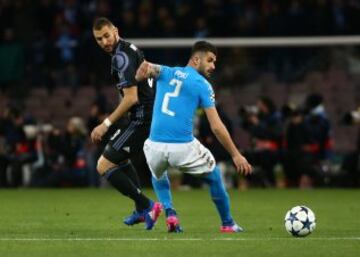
[
  {"x": 65, "y": 154},
  {"x": 319, "y": 143},
  {"x": 264, "y": 124},
  {"x": 16, "y": 149},
  {"x": 295, "y": 162},
  {"x": 308, "y": 144}
]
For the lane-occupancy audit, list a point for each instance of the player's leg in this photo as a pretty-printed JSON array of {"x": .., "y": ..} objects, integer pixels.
[
  {"x": 161, "y": 186},
  {"x": 198, "y": 160},
  {"x": 117, "y": 177},
  {"x": 114, "y": 165},
  {"x": 148, "y": 210},
  {"x": 163, "y": 192},
  {"x": 221, "y": 200},
  {"x": 157, "y": 164}
]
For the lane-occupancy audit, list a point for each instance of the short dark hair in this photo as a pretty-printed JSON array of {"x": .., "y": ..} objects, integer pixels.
[
  {"x": 203, "y": 46},
  {"x": 101, "y": 22}
]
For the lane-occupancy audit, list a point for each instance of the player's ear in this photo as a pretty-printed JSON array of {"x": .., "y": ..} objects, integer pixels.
[
  {"x": 196, "y": 59},
  {"x": 116, "y": 30}
]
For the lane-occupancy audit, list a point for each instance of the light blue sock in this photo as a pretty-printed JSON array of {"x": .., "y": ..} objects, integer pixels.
[
  {"x": 162, "y": 190},
  {"x": 219, "y": 195}
]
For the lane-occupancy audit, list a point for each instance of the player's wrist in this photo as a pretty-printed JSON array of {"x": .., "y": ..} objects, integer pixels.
[
  {"x": 236, "y": 154},
  {"x": 107, "y": 123}
]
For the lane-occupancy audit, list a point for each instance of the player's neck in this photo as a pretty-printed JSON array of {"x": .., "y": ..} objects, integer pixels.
[{"x": 191, "y": 64}]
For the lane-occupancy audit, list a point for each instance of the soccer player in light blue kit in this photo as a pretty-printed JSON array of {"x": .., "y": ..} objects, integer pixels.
[{"x": 180, "y": 91}]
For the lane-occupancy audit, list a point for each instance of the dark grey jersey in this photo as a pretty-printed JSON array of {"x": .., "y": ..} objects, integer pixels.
[{"x": 124, "y": 63}]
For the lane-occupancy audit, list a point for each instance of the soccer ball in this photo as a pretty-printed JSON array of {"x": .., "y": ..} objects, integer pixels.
[{"x": 300, "y": 221}]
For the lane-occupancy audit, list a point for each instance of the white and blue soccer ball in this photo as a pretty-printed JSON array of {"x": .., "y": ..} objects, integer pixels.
[{"x": 300, "y": 221}]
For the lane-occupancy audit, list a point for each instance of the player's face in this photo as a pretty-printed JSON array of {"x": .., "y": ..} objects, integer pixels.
[
  {"x": 107, "y": 37},
  {"x": 207, "y": 63}
]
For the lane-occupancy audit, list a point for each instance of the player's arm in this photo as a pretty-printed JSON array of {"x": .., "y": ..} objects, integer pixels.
[
  {"x": 147, "y": 70},
  {"x": 125, "y": 67},
  {"x": 129, "y": 99},
  {"x": 222, "y": 134}
]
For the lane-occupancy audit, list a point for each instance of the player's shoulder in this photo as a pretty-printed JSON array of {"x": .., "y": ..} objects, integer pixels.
[
  {"x": 124, "y": 52},
  {"x": 125, "y": 46},
  {"x": 174, "y": 71},
  {"x": 202, "y": 81}
]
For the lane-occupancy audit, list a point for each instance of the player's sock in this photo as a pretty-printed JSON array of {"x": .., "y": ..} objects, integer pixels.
[
  {"x": 124, "y": 185},
  {"x": 170, "y": 212},
  {"x": 162, "y": 190},
  {"x": 130, "y": 171},
  {"x": 219, "y": 195}
]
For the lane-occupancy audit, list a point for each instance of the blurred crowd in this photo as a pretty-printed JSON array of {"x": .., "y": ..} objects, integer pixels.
[
  {"x": 290, "y": 146},
  {"x": 49, "y": 43}
]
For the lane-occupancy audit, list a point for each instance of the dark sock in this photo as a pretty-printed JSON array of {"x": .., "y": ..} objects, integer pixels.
[
  {"x": 130, "y": 171},
  {"x": 124, "y": 185},
  {"x": 170, "y": 212}
]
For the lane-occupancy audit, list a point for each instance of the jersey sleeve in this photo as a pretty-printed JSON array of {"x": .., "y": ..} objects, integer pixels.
[
  {"x": 164, "y": 71},
  {"x": 125, "y": 68},
  {"x": 207, "y": 95}
]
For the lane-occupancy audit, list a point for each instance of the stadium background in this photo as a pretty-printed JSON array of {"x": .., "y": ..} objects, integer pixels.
[
  {"x": 55, "y": 83},
  {"x": 55, "y": 86}
]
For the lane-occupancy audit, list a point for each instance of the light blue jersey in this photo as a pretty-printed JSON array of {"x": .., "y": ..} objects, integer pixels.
[{"x": 180, "y": 91}]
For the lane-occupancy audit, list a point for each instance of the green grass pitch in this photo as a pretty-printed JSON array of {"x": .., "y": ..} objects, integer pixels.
[{"x": 88, "y": 222}]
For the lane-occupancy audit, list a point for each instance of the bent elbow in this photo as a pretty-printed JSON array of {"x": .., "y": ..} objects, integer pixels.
[{"x": 133, "y": 100}]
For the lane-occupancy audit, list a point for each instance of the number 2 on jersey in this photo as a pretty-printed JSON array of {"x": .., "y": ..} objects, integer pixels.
[{"x": 165, "y": 104}]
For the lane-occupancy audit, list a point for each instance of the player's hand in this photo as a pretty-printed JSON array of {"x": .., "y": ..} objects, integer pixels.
[
  {"x": 98, "y": 132},
  {"x": 143, "y": 71},
  {"x": 242, "y": 164}
]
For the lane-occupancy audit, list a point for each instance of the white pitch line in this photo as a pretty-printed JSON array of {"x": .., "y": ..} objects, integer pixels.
[{"x": 184, "y": 239}]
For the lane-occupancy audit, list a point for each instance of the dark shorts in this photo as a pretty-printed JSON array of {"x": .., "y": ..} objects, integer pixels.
[{"x": 127, "y": 142}]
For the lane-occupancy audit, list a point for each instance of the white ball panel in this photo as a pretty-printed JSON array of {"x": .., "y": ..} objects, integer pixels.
[
  {"x": 288, "y": 226},
  {"x": 287, "y": 215},
  {"x": 302, "y": 216},
  {"x": 304, "y": 232},
  {"x": 297, "y": 225},
  {"x": 295, "y": 209},
  {"x": 312, "y": 226},
  {"x": 311, "y": 216}
]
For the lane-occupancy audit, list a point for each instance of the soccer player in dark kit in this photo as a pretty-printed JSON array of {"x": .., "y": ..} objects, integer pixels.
[{"x": 120, "y": 159}]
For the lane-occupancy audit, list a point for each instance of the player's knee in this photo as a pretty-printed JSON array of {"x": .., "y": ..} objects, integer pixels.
[
  {"x": 100, "y": 167},
  {"x": 104, "y": 165}
]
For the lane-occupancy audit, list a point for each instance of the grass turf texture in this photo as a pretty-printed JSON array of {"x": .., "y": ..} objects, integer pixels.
[{"x": 88, "y": 222}]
